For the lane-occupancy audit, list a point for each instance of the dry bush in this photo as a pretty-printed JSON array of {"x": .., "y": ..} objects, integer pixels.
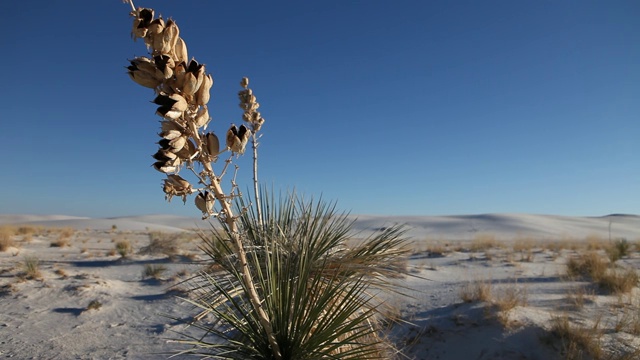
[
  {"x": 162, "y": 244},
  {"x": 94, "y": 305},
  {"x": 29, "y": 230},
  {"x": 437, "y": 249},
  {"x": 123, "y": 247},
  {"x": 61, "y": 272},
  {"x": 618, "y": 250},
  {"x": 579, "y": 296},
  {"x": 60, "y": 242},
  {"x": 476, "y": 291},
  {"x": 6, "y": 238},
  {"x": 510, "y": 297},
  {"x": 619, "y": 281},
  {"x": 595, "y": 242},
  {"x": 153, "y": 271},
  {"x": 111, "y": 252},
  {"x": 483, "y": 242},
  {"x": 589, "y": 266},
  {"x": 31, "y": 266},
  {"x": 577, "y": 343},
  {"x": 525, "y": 248},
  {"x": 593, "y": 267}
]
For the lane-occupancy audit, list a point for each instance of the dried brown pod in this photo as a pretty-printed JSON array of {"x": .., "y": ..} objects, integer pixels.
[
  {"x": 167, "y": 125},
  {"x": 212, "y": 144},
  {"x": 180, "y": 51},
  {"x": 165, "y": 65},
  {"x": 144, "y": 72},
  {"x": 164, "y": 155},
  {"x": 202, "y": 117},
  {"x": 165, "y": 167},
  {"x": 237, "y": 138},
  {"x": 179, "y": 182},
  {"x": 188, "y": 151},
  {"x": 170, "y": 36},
  {"x": 204, "y": 202},
  {"x": 170, "y": 134},
  {"x": 244, "y": 82},
  {"x": 171, "y": 106},
  {"x": 193, "y": 77},
  {"x": 175, "y": 185},
  {"x": 143, "y": 18},
  {"x": 154, "y": 34},
  {"x": 173, "y": 145},
  {"x": 203, "y": 94}
]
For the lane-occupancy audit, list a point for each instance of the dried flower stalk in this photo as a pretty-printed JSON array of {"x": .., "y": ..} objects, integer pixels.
[{"x": 182, "y": 89}]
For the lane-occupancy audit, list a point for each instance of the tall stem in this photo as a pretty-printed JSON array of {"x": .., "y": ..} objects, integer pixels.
[
  {"x": 256, "y": 187},
  {"x": 256, "y": 302}
]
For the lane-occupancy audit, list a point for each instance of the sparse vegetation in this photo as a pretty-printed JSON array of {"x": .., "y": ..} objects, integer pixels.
[
  {"x": 618, "y": 250},
  {"x": 6, "y": 240},
  {"x": 160, "y": 243},
  {"x": 577, "y": 343},
  {"x": 123, "y": 247},
  {"x": 592, "y": 266},
  {"x": 476, "y": 291},
  {"x": 31, "y": 266},
  {"x": 94, "y": 305},
  {"x": 153, "y": 271}
]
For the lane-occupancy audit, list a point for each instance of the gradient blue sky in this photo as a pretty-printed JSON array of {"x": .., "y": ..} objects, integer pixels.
[{"x": 388, "y": 107}]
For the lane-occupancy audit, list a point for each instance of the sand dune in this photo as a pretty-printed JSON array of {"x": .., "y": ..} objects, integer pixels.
[{"x": 50, "y": 316}]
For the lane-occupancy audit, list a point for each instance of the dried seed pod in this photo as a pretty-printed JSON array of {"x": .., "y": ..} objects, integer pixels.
[
  {"x": 154, "y": 34},
  {"x": 188, "y": 151},
  {"x": 143, "y": 18},
  {"x": 202, "y": 117},
  {"x": 204, "y": 202},
  {"x": 171, "y": 107},
  {"x": 170, "y": 36},
  {"x": 164, "y": 167},
  {"x": 168, "y": 125},
  {"x": 173, "y": 145},
  {"x": 212, "y": 144},
  {"x": 193, "y": 78},
  {"x": 204, "y": 92},
  {"x": 144, "y": 72},
  {"x": 237, "y": 138},
  {"x": 170, "y": 134},
  {"x": 179, "y": 182},
  {"x": 180, "y": 51},
  {"x": 164, "y": 155},
  {"x": 244, "y": 82},
  {"x": 165, "y": 65}
]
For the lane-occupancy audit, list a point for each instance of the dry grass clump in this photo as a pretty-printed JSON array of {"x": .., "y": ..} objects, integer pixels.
[
  {"x": 61, "y": 242},
  {"x": 123, "y": 247},
  {"x": 593, "y": 267},
  {"x": 153, "y": 271},
  {"x": 619, "y": 281},
  {"x": 618, "y": 250},
  {"x": 31, "y": 267},
  {"x": 6, "y": 238},
  {"x": 476, "y": 291},
  {"x": 525, "y": 248},
  {"x": 94, "y": 305},
  {"x": 162, "y": 244},
  {"x": 577, "y": 343},
  {"x": 589, "y": 265},
  {"x": 483, "y": 242}
]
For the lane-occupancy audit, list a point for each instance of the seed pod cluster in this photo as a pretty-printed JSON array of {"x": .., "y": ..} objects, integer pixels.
[{"x": 182, "y": 89}]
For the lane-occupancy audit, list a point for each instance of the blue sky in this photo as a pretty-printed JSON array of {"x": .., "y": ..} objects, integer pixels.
[{"x": 387, "y": 107}]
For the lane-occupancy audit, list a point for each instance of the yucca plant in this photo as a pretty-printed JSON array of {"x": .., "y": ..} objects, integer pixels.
[
  {"x": 318, "y": 290},
  {"x": 281, "y": 282}
]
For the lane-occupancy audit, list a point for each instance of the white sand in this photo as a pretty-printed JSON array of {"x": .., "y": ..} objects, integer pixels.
[{"x": 47, "y": 318}]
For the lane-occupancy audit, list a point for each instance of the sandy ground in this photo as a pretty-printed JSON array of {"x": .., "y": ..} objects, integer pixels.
[{"x": 517, "y": 260}]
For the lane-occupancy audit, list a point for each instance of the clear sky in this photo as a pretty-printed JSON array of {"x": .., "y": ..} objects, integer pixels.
[{"x": 388, "y": 107}]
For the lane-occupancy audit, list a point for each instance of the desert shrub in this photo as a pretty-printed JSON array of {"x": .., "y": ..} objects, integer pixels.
[
  {"x": 476, "y": 291},
  {"x": 577, "y": 343},
  {"x": 153, "y": 271},
  {"x": 589, "y": 265},
  {"x": 618, "y": 250},
  {"x": 162, "y": 244},
  {"x": 60, "y": 242},
  {"x": 31, "y": 266},
  {"x": 94, "y": 305},
  {"x": 123, "y": 247},
  {"x": 483, "y": 242},
  {"x": 619, "y": 281},
  {"x": 313, "y": 280},
  {"x": 6, "y": 238}
]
